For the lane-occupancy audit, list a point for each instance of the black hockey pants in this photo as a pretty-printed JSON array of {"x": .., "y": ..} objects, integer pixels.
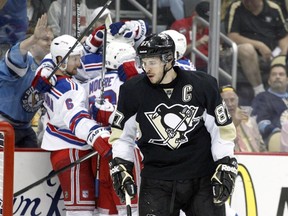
[{"x": 166, "y": 198}]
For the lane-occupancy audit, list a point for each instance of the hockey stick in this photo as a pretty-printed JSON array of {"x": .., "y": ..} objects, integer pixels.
[
  {"x": 108, "y": 22},
  {"x": 80, "y": 38},
  {"x": 56, "y": 172},
  {"x": 128, "y": 203},
  {"x": 97, "y": 181}
]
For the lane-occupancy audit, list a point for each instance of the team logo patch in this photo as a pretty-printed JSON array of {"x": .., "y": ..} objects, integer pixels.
[
  {"x": 85, "y": 194},
  {"x": 31, "y": 100},
  {"x": 173, "y": 123}
]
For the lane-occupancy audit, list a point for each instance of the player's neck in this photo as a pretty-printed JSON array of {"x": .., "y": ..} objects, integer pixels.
[{"x": 169, "y": 77}]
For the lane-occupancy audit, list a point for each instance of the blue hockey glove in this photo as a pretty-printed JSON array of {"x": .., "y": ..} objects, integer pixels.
[
  {"x": 41, "y": 82},
  {"x": 115, "y": 27}
]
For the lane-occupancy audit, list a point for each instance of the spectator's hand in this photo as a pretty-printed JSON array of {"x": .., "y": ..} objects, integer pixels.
[
  {"x": 265, "y": 51},
  {"x": 243, "y": 114},
  {"x": 203, "y": 40},
  {"x": 41, "y": 29}
]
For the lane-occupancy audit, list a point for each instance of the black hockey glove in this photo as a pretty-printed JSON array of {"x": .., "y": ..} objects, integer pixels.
[
  {"x": 121, "y": 173},
  {"x": 223, "y": 179}
]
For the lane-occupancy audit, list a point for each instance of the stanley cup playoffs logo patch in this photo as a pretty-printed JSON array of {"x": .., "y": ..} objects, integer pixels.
[{"x": 173, "y": 123}]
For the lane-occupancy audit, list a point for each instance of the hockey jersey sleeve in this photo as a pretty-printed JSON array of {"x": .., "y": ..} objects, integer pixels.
[
  {"x": 17, "y": 64},
  {"x": 124, "y": 128},
  {"x": 218, "y": 121}
]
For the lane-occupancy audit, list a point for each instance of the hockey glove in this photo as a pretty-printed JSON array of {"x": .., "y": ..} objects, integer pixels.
[
  {"x": 98, "y": 139},
  {"x": 127, "y": 70},
  {"x": 121, "y": 173},
  {"x": 223, "y": 179},
  {"x": 94, "y": 40},
  {"x": 102, "y": 112},
  {"x": 41, "y": 82},
  {"x": 130, "y": 29},
  {"x": 115, "y": 27}
]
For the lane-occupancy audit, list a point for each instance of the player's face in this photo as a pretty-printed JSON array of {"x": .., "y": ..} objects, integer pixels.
[
  {"x": 73, "y": 63},
  {"x": 154, "y": 69},
  {"x": 231, "y": 101},
  {"x": 278, "y": 79}
]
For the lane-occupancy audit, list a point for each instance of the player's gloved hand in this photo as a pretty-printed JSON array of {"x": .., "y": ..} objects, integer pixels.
[
  {"x": 102, "y": 112},
  {"x": 115, "y": 27},
  {"x": 94, "y": 40},
  {"x": 133, "y": 29},
  {"x": 127, "y": 70},
  {"x": 122, "y": 178},
  {"x": 223, "y": 180},
  {"x": 41, "y": 82},
  {"x": 98, "y": 139}
]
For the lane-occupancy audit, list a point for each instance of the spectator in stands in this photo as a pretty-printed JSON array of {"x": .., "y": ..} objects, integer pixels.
[
  {"x": 284, "y": 133},
  {"x": 284, "y": 6},
  {"x": 2, "y": 3},
  {"x": 35, "y": 9},
  {"x": 17, "y": 71},
  {"x": 184, "y": 26},
  {"x": 258, "y": 27},
  {"x": 13, "y": 24},
  {"x": 269, "y": 106},
  {"x": 248, "y": 138},
  {"x": 57, "y": 20}
]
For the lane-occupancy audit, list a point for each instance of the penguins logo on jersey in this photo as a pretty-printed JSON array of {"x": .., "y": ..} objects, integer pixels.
[
  {"x": 173, "y": 123},
  {"x": 31, "y": 100}
]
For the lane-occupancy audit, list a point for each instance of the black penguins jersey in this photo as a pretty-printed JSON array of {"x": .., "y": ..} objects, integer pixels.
[{"x": 182, "y": 127}]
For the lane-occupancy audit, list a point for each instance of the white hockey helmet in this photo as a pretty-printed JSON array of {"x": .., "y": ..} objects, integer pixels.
[
  {"x": 61, "y": 45},
  {"x": 117, "y": 53},
  {"x": 179, "y": 41}
]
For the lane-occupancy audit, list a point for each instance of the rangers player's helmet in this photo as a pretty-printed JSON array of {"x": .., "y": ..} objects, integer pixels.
[
  {"x": 61, "y": 45},
  {"x": 157, "y": 45},
  {"x": 117, "y": 53},
  {"x": 179, "y": 41}
]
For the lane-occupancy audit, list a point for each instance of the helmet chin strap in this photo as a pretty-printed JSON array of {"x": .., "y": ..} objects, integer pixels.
[{"x": 164, "y": 73}]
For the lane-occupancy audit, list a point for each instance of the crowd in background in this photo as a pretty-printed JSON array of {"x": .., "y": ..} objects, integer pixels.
[{"x": 37, "y": 100}]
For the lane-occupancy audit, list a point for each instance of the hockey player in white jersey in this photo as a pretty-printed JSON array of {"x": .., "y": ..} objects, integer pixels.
[
  {"x": 180, "y": 49},
  {"x": 116, "y": 53},
  {"x": 70, "y": 133}
]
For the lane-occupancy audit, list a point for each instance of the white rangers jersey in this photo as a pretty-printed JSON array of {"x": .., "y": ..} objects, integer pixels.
[
  {"x": 111, "y": 84},
  {"x": 69, "y": 121}
]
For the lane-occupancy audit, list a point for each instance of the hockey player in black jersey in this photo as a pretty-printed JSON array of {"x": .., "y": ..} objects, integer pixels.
[{"x": 184, "y": 132}]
